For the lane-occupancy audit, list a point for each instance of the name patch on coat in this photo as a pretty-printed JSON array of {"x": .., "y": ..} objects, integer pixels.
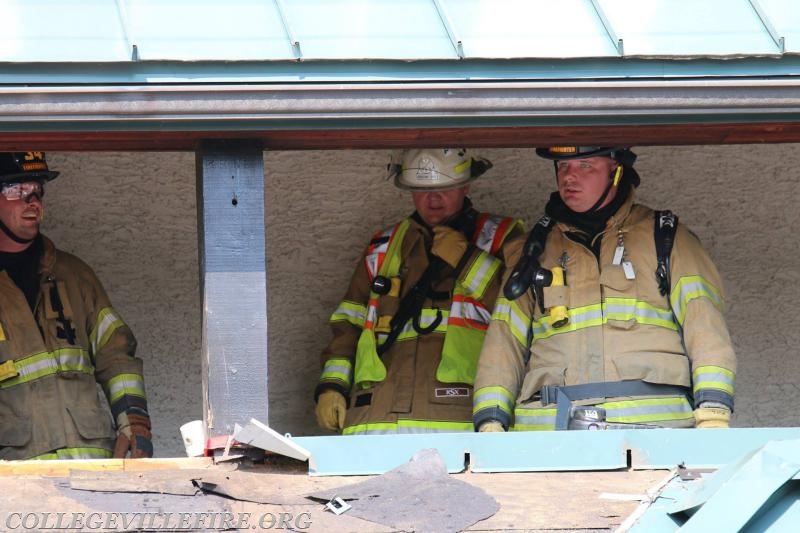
[{"x": 450, "y": 392}]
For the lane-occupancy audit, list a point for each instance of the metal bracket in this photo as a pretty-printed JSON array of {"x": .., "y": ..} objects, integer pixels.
[{"x": 338, "y": 505}]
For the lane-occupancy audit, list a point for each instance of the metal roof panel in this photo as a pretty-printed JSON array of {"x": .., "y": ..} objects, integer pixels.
[
  {"x": 271, "y": 34},
  {"x": 785, "y": 17},
  {"x": 61, "y": 30},
  {"x": 363, "y": 29},
  {"x": 191, "y": 30},
  {"x": 688, "y": 28},
  {"x": 530, "y": 28}
]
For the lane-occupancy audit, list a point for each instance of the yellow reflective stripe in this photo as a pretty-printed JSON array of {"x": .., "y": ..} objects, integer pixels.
[
  {"x": 579, "y": 318},
  {"x": 646, "y": 410},
  {"x": 426, "y": 318},
  {"x": 713, "y": 377},
  {"x": 44, "y": 364},
  {"x": 690, "y": 287},
  {"x": 339, "y": 370},
  {"x": 352, "y": 312},
  {"x": 642, "y": 312},
  {"x": 74, "y": 453},
  {"x": 105, "y": 326},
  {"x": 408, "y": 426},
  {"x": 536, "y": 419},
  {"x": 491, "y": 397},
  {"x": 462, "y": 167},
  {"x": 125, "y": 384},
  {"x": 480, "y": 273},
  {"x": 391, "y": 262},
  {"x": 509, "y": 312},
  {"x": 599, "y": 314}
]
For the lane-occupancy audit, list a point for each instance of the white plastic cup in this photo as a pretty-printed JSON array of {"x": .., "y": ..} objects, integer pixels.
[{"x": 194, "y": 438}]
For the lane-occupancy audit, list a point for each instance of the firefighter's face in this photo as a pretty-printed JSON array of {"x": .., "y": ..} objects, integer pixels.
[
  {"x": 436, "y": 207},
  {"x": 22, "y": 214},
  {"x": 581, "y": 182}
]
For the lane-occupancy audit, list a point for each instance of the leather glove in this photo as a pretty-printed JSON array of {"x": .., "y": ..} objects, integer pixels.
[
  {"x": 133, "y": 434},
  {"x": 712, "y": 417},
  {"x": 330, "y": 410},
  {"x": 491, "y": 426},
  {"x": 449, "y": 244}
]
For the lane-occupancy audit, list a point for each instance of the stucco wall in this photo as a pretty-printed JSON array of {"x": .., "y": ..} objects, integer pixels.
[{"x": 132, "y": 217}]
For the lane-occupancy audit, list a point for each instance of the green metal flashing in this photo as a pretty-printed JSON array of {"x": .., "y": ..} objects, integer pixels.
[
  {"x": 541, "y": 451},
  {"x": 355, "y": 71}
]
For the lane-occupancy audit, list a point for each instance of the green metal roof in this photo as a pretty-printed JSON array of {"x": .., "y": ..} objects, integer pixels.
[{"x": 160, "y": 41}]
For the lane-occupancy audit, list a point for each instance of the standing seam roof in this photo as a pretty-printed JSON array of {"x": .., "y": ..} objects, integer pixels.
[{"x": 91, "y": 31}]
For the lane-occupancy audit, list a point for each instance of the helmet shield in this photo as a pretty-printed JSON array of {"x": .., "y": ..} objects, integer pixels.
[
  {"x": 436, "y": 169},
  {"x": 24, "y": 166}
]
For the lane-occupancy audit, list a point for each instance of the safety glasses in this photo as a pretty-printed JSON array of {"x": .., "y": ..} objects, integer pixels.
[{"x": 22, "y": 191}]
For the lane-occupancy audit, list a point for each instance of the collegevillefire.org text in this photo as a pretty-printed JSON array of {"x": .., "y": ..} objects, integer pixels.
[{"x": 156, "y": 521}]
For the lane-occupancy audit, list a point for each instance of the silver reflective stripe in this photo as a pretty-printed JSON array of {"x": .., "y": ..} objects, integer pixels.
[
  {"x": 528, "y": 418},
  {"x": 649, "y": 410},
  {"x": 107, "y": 322},
  {"x": 486, "y": 236},
  {"x": 123, "y": 384},
  {"x": 476, "y": 278},
  {"x": 470, "y": 309}
]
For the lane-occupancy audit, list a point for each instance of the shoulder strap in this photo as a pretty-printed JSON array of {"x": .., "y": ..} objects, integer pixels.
[{"x": 665, "y": 226}]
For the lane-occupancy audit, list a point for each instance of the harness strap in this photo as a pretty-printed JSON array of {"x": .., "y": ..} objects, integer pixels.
[
  {"x": 563, "y": 396},
  {"x": 666, "y": 224}
]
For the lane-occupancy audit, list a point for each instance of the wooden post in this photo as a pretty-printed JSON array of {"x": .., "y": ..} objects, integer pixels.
[{"x": 233, "y": 284}]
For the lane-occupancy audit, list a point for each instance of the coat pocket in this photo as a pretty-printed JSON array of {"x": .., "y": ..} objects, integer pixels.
[
  {"x": 666, "y": 368},
  {"x": 92, "y": 423},
  {"x": 14, "y": 430},
  {"x": 620, "y": 297}
]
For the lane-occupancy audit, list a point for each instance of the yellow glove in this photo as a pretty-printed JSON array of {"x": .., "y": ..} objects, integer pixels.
[
  {"x": 712, "y": 417},
  {"x": 331, "y": 408},
  {"x": 449, "y": 244},
  {"x": 491, "y": 426}
]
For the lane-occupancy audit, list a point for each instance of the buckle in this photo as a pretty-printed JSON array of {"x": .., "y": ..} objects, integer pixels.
[{"x": 548, "y": 394}]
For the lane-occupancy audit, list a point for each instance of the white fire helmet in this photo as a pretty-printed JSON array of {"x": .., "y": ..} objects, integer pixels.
[{"x": 436, "y": 169}]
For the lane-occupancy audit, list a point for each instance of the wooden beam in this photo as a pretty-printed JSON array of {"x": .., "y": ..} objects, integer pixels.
[
  {"x": 337, "y": 139},
  {"x": 60, "y": 468},
  {"x": 233, "y": 281}
]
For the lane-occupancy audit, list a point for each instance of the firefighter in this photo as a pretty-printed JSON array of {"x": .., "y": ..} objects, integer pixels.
[
  {"x": 59, "y": 337},
  {"x": 408, "y": 332},
  {"x": 599, "y": 326}
]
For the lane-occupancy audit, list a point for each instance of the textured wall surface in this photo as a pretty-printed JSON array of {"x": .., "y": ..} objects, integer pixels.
[{"x": 132, "y": 217}]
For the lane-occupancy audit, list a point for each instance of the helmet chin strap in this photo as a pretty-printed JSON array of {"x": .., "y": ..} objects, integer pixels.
[{"x": 13, "y": 237}]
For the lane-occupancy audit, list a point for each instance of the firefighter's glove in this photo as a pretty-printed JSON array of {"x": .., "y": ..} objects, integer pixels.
[
  {"x": 717, "y": 416},
  {"x": 491, "y": 426},
  {"x": 331, "y": 408},
  {"x": 133, "y": 435},
  {"x": 449, "y": 244}
]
